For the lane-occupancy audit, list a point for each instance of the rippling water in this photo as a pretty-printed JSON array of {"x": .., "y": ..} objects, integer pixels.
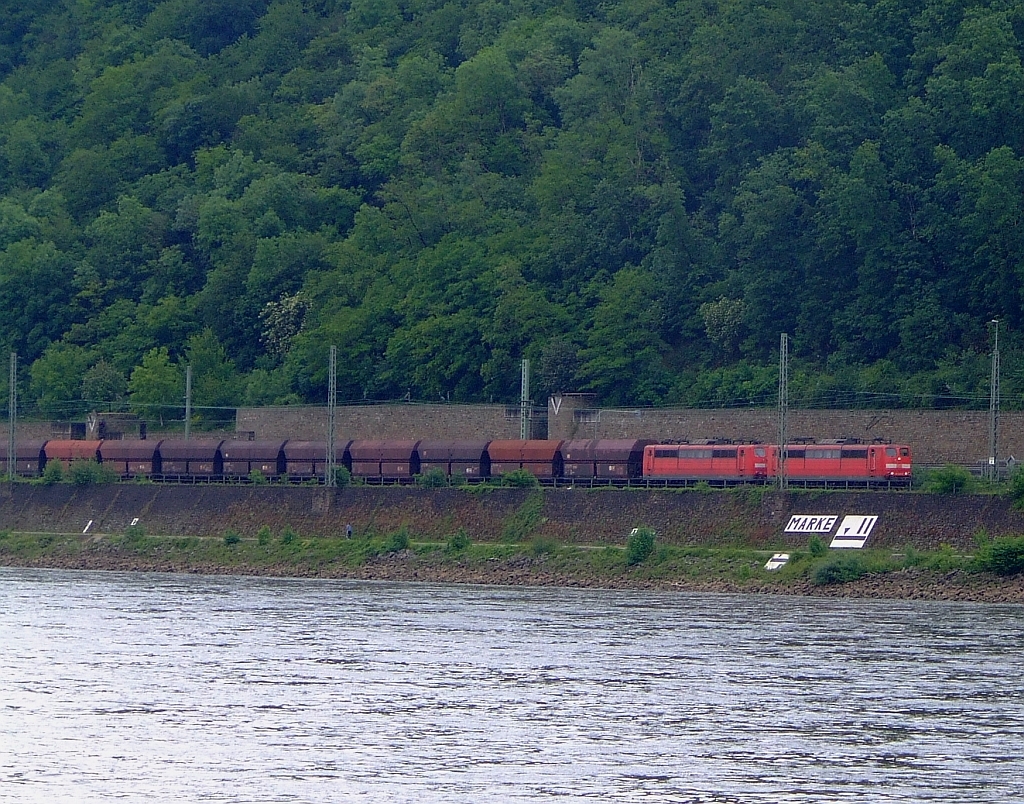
[{"x": 154, "y": 688}]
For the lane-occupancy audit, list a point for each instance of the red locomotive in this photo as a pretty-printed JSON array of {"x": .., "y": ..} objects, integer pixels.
[{"x": 831, "y": 464}]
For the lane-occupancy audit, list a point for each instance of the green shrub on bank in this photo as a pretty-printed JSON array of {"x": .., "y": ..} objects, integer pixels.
[
  {"x": 264, "y": 536},
  {"x": 519, "y": 526},
  {"x": 543, "y": 545},
  {"x": 342, "y": 477},
  {"x": 950, "y": 479},
  {"x": 1003, "y": 556},
  {"x": 398, "y": 541},
  {"x": 53, "y": 472},
  {"x": 520, "y": 479},
  {"x": 232, "y": 537},
  {"x": 257, "y": 478},
  {"x": 86, "y": 472},
  {"x": 817, "y": 547},
  {"x": 288, "y": 536},
  {"x": 459, "y": 542},
  {"x": 135, "y": 533},
  {"x": 842, "y": 568},
  {"x": 1016, "y": 488},
  {"x": 639, "y": 546},
  {"x": 432, "y": 479}
]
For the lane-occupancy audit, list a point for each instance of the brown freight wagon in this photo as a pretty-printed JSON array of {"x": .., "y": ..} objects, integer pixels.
[
  {"x": 618, "y": 459},
  {"x": 580, "y": 459},
  {"x": 306, "y": 460},
  {"x": 385, "y": 461},
  {"x": 543, "y": 459},
  {"x": 67, "y": 451},
  {"x": 132, "y": 458},
  {"x": 192, "y": 459},
  {"x": 241, "y": 458},
  {"x": 456, "y": 458},
  {"x": 29, "y": 458}
]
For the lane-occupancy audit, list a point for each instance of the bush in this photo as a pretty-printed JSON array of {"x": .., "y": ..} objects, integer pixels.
[
  {"x": 231, "y": 538},
  {"x": 257, "y": 478},
  {"x": 639, "y": 546},
  {"x": 288, "y": 535},
  {"x": 817, "y": 547},
  {"x": 542, "y": 545},
  {"x": 943, "y": 560},
  {"x": 1016, "y": 490},
  {"x": 912, "y": 556},
  {"x": 432, "y": 479},
  {"x": 843, "y": 568},
  {"x": 949, "y": 479},
  {"x": 135, "y": 533},
  {"x": 84, "y": 472},
  {"x": 53, "y": 472},
  {"x": 459, "y": 542},
  {"x": 521, "y": 524},
  {"x": 342, "y": 477},
  {"x": 264, "y": 536},
  {"x": 1004, "y": 556},
  {"x": 398, "y": 541},
  {"x": 520, "y": 479}
]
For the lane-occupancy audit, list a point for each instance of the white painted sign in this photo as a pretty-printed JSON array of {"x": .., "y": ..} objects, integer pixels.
[
  {"x": 87, "y": 526},
  {"x": 854, "y": 531},
  {"x": 777, "y": 561},
  {"x": 811, "y": 524}
]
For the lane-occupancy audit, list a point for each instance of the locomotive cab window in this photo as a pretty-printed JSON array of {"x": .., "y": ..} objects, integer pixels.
[
  {"x": 759, "y": 452},
  {"x": 890, "y": 452}
]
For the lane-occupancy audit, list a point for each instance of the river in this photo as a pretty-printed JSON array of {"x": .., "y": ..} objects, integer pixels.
[{"x": 158, "y": 688}]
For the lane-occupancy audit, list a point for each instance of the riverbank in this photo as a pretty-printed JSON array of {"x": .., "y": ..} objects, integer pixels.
[
  {"x": 921, "y": 546},
  {"x": 747, "y": 516},
  {"x": 929, "y": 575}
]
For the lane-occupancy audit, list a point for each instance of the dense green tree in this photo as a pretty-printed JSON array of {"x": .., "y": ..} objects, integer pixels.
[
  {"x": 103, "y": 383},
  {"x": 56, "y": 379},
  {"x": 643, "y": 195},
  {"x": 157, "y": 386},
  {"x": 215, "y": 382},
  {"x": 35, "y": 293}
]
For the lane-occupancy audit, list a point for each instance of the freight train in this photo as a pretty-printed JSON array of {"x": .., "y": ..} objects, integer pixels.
[{"x": 845, "y": 463}]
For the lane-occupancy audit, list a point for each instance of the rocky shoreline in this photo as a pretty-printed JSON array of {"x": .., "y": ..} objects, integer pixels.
[
  {"x": 751, "y": 520},
  {"x": 908, "y": 584}
]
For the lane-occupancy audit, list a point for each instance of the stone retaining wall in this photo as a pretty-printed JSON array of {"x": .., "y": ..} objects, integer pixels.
[
  {"x": 744, "y": 516},
  {"x": 937, "y": 436},
  {"x": 387, "y": 421}
]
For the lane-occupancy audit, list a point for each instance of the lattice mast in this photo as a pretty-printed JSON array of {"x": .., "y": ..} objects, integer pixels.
[
  {"x": 330, "y": 477},
  {"x": 782, "y": 480},
  {"x": 993, "y": 409},
  {"x": 524, "y": 402},
  {"x": 188, "y": 402},
  {"x": 12, "y": 417}
]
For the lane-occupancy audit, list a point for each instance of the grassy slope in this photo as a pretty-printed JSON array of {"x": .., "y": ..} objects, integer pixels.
[{"x": 871, "y": 573}]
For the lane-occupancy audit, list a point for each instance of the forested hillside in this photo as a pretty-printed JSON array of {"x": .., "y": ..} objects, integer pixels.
[{"x": 639, "y": 196}]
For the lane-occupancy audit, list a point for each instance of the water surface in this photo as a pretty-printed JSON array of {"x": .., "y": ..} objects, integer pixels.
[{"x": 151, "y": 688}]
